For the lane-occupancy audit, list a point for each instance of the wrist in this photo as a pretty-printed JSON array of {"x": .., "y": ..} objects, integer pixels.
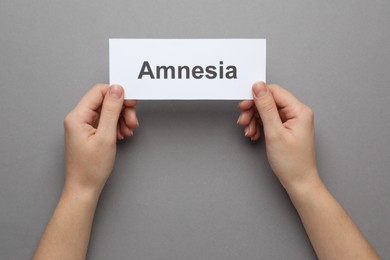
[
  {"x": 307, "y": 186},
  {"x": 88, "y": 195}
]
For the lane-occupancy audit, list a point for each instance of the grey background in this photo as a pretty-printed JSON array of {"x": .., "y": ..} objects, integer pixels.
[{"x": 189, "y": 185}]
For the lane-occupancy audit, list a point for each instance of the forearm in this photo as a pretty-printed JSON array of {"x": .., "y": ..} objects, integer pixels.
[
  {"x": 331, "y": 231},
  {"x": 67, "y": 234},
  {"x": 91, "y": 131}
]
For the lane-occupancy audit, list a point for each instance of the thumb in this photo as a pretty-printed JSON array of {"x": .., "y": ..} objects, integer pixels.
[
  {"x": 111, "y": 109},
  {"x": 266, "y": 106}
]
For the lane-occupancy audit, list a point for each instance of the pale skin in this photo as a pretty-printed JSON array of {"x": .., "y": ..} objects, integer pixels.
[
  {"x": 102, "y": 117},
  {"x": 90, "y": 154}
]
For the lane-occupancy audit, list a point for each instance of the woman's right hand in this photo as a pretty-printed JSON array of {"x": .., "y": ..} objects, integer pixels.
[{"x": 288, "y": 131}]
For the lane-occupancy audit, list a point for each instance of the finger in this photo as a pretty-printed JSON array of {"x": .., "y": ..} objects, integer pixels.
[
  {"x": 95, "y": 120},
  {"x": 250, "y": 130},
  {"x": 245, "y": 117},
  {"x": 282, "y": 97},
  {"x": 130, "y": 117},
  {"x": 130, "y": 103},
  {"x": 266, "y": 106},
  {"x": 257, "y": 134},
  {"x": 111, "y": 109},
  {"x": 124, "y": 129},
  {"x": 119, "y": 136},
  {"x": 86, "y": 111},
  {"x": 289, "y": 106},
  {"x": 285, "y": 114},
  {"x": 93, "y": 99},
  {"x": 245, "y": 104},
  {"x": 257, "y": 116}
]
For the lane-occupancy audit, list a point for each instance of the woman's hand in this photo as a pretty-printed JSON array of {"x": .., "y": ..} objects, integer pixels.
[
  {"x": 288, "y": 131},
  {"x": 91, "y": 130}
]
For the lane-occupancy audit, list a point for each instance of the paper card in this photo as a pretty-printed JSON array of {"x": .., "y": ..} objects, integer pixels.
[{"x": 187, "y": 68}]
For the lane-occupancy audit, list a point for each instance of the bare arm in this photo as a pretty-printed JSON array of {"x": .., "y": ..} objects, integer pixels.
[
  {"x": 67, "y": 234},
  {"x": 91, "y": 131},
  {"x": 331, "y": 231},
  {"x": 289, "y": 135}
]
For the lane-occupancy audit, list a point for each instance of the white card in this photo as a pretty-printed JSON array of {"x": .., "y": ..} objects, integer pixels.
[{"x": 187, "y": 68}]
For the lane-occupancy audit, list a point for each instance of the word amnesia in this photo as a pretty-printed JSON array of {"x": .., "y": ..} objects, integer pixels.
[{"x": 186, "y": 72}]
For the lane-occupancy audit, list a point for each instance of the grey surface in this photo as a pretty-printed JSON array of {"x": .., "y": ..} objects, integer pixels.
[{"x": 189, "y": 185}]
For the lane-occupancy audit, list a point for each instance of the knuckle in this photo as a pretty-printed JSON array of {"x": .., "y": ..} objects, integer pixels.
[
  {"x": 68, "y": 120},
  {"x": 305, "y": 111},
  {"x": 309, "y": 113},
  {"x": 79, "y": 116},
  {"x": 75, "y": 117}
]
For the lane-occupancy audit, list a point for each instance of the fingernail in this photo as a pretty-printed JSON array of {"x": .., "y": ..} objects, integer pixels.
[
  {"x": 131, "y": 133},
  {"x": 246, "y": 130},
  {"x": 259, "y": 89},
  {"x": 238, "y": 120},
  {"x": 116, "y": 91}
]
